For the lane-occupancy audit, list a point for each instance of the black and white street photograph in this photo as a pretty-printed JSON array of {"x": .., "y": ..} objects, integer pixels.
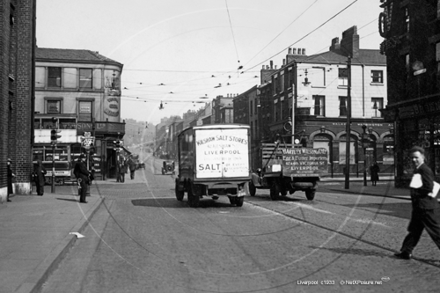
[{"x": 219, "y": 146}]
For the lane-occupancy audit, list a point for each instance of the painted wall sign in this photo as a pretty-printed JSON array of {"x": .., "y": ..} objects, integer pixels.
[{"x": 222, "y": 153}]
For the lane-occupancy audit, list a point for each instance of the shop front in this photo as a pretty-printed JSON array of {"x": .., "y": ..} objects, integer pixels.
[{"x": 417, "y": 124}]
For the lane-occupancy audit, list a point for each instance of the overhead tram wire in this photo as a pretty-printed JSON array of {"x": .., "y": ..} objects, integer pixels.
[
  {"x": 305, "y": 36},
  {"x": 249, "y": 69},
  {"x": 232, "y": 33},
  {"x": 271, "y": 41}
]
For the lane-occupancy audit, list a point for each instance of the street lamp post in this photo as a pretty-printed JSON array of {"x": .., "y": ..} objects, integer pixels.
[{"x": 348, "y": 127}]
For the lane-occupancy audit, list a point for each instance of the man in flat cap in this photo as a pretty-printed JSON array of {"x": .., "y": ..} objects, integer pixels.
[{"x": 82, "y": 174}]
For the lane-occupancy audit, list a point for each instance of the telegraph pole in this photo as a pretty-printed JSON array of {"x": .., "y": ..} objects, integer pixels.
[
  {"x": 295, "y": 95},
  {"x": 348, "y": 127}
]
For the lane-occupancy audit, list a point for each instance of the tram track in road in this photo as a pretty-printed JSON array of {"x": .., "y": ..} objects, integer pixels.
[{"x": 357, "y": 239}]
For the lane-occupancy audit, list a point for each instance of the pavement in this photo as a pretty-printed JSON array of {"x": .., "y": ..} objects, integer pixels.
[{"x": 35, "y": 230}]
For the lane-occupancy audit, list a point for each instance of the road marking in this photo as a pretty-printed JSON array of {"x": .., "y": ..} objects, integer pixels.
[{"x": 313, "y": 208}]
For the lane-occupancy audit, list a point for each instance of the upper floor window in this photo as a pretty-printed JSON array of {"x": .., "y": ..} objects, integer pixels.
[
  {"x": 376, "y": 105},
  {"x": 376, "y": 76},
  {"x": 282, "y": 81},
  {"x": 407, "y": 19},
  {"x": 317, "y": 76},
  {"x": 85, "y": 78},
  {"x": 85, "y": 111},
  {"x": 54, "y": 77},
  {"x": 319, "y": 105},
  {"x": 343, "y": 76},
  {"x": 437, "y": 56},
  {"x": 53, "y": 106},
  {"x": 40, "y": 77},
  {"x": 343, "y": 106}
]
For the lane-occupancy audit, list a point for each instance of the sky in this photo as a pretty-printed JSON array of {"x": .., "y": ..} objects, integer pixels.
[{"x": 183, "y": 53}]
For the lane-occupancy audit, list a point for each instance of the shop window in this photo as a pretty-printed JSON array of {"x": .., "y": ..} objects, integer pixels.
[
  {"x": 54, "y": 77},
  {"x": 85, "y": 78},
  {"x": 319, "y": 105},
  {"x": 343, "y": 153},
  {"x": 376, "y": 76}
]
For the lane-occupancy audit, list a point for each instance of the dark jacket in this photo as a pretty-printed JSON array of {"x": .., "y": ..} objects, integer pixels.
[
  {"x": 10, "y": 176},
  {"x": 81, "y": 171},
  {"x": 39, "y": 172},
  {"x": 374, "y": 171},
  {"x": 419, "y": 196}
]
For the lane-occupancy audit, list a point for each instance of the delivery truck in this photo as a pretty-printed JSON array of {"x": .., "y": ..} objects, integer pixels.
[
  {"x": 213, "y": 160},
  {"x": 288, "y": 168}
]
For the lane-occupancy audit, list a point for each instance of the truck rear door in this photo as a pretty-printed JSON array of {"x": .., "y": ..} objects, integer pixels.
[{"x": 222, "y": 153}]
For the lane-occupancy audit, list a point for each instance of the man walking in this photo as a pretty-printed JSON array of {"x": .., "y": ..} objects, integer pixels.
[
  {"x": 82, "y": 174},
  {"x": 425, "y": 208}
]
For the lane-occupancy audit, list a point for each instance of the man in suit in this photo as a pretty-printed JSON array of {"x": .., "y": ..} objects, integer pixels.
[
  {"x": 38, "y": 175},
  {"x": 425, "y": 208},
  {"x": 82, "y": 174},
  {"x": 11, "y": 175}
]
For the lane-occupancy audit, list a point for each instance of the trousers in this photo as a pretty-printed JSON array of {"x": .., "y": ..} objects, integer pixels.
[{"x": 422, "y": 219}]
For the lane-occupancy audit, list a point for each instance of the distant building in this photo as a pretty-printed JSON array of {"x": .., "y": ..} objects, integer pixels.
[
  {"x": 222, "y": 109},
  {"x": 17, "y": 34},
  {"x": 81, "y": 90}
]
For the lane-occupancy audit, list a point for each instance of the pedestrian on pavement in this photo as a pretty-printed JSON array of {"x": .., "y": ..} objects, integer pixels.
[
  {"x": 374, "y": 173},
  {"x": 11, "y": 175},
  {"x": 82, "y": 174},
  {"x": 132, "y": 167},
  {"x": 38, "y": 176},
  {"x": 425, "y": 208},
  {"x": 122, "y": 170}
]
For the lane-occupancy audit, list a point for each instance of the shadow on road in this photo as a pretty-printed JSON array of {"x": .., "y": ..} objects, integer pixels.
[{"x": 174, "y": 203}]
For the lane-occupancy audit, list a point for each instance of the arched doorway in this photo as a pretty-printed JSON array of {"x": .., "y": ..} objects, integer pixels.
[{"x": 325, "y": 141}]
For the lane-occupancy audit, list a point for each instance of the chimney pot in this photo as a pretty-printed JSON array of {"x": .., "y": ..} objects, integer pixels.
[
  {"x": 290, "y": 51},
  {"x": 303, "y": 51},
  {"x": 294, "y": 51}
]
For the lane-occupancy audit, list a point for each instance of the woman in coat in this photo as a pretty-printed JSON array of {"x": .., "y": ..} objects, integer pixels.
[
  {"x": 374, "y": 172},
  {"x": 39, "y": 172}
]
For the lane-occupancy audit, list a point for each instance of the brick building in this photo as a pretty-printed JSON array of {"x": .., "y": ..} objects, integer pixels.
[
  {"x": 411, "y": 30},
  {"x": 17, "y": 35},
  {"x": 81, "y": 90},
  {"x": 318, "y": 85}
]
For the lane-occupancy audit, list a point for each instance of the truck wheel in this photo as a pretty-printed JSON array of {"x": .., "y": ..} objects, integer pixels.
[
  {"x": 179, "y": 193},
  {"x": 252, "y": 188},
  {"x": 193, "y": 198},
  {"x": 274, "y": 191},
  {"x": 283, "y": 190},
  {"x": 239, "y": 201},
  {"x": 310, "y": 194}
]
